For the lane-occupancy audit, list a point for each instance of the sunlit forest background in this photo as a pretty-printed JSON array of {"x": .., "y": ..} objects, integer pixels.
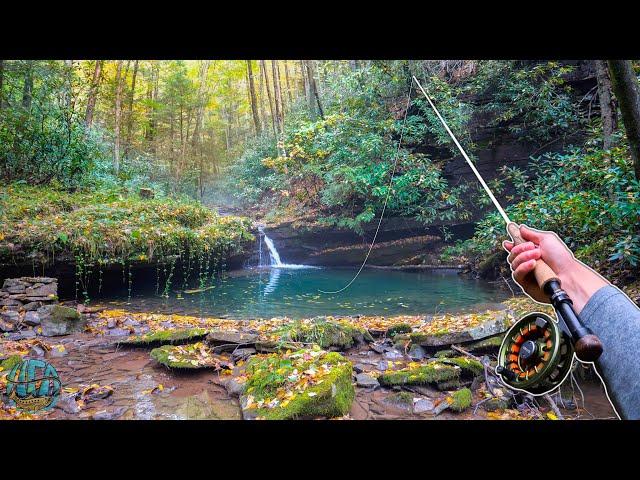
[{"x": 275, "y": 139}]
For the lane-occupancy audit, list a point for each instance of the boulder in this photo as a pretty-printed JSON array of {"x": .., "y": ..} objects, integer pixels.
[
  {"x": 225, "y": 340},
  {"x": 32, "y": 306},
  {"x": 57, "y": 320},
  {"x": 417, "y": 353},
  {"x": 366, "y": 381},
  {"x": 326, "y": 332},
  {"x": 10, "y": 316},
  {"x": 166, "y": 337},
  {"x": 42, "y": 290},
  {"x": 316, "y": 383},
  {"x": 11, "y": 302},
  {"x": 422, "y": 405},
  {"x": 189, "y": 357},
  {"x": 242, "y": 353},
  {"x": 494, "y": 323},
  {"x": 32, "y": 318},
  {"x": 6, "y": 326}
]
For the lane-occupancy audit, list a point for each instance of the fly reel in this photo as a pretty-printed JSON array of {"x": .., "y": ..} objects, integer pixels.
[{"x": 535, "y": 355}]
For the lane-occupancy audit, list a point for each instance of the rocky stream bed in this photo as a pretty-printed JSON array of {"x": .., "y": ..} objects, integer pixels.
[{"x": 116, "y": 364}]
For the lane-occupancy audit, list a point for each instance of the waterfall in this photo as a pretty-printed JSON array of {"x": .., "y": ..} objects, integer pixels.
[{"x": 274, "y": 256}]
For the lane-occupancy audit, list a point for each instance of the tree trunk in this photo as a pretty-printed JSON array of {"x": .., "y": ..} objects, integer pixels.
[
  {"x": 308, "y": 94},
  {"x": 93, "y": 94},
  {"x": 266, "y": 83},
  {"x": 353, "y": 64},
  {"x": 1, "y": 82},
  {"x": 202, "y": 101},
  {"x": 118, "y": 118},
  {"x": 252, "y": 98},
  {"x": 313, "y": 88},
  {"x": 625, "y": 86},
  {"x": 27, "y": 87},
  {"x": 277, "y": 97},
  {"x": 127, "y": 145},
  {"x": 608, "y": 108},
  {"x": 286, "y": 76}
]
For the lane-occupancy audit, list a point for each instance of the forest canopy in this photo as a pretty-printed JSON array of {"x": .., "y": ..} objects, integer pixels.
[{"x": 285, "y": 139}]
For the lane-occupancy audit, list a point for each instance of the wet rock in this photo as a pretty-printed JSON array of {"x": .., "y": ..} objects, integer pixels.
[
  {"x": 497, "y": 323},
  {"x": 6, "y": 326},
  {"x": 358, "y": 368},
  {"x": 57, "y": 320},
  {"x": 11, "y": 302},
  {"x": 422, "y": 405},
  {"x": 24, "y": 334},
  {"x": 38, "y": 280},
  {"x": 130, "y": 322},
  {"x": 31, "y": 318},
  {"x": 57, "y": 351},
  {"x": 16, "y": 289},
  {"x": 494, "y": 404},
  {"x": 10, "y": 316},
  {"x": 403, "y": 400},
  {"x": 111, "y": 323},
  {"x": 37, "y": 350},
  {"x": 31, "y": 306},
  {"x": 119, "y": 332},
  {"x": 42, "y": 290},
  {"x": 166, "y": 337},
  {"x": 382, "y": 365},
  {"x": 231, "y": 339},
  {"x": 376, "y": 348},
  {"x": 242, "y": 353},
  {"x": 417, "y": 353},
  {"x": 68, "y": 404},
  {"x": 109, "y": 415},
  {"x": 366, "y": 381},
  {"x": 393, "y": 354},
  {"x": 234, "y": 388}
]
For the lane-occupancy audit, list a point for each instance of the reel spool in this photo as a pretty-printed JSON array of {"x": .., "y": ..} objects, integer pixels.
[{"x": 535, "y": 355}]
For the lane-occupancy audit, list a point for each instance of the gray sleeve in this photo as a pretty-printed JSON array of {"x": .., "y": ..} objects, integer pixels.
[{"x": 616, "y": 320}]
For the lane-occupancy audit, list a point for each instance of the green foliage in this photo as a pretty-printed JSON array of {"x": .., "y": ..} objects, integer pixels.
[
  {"x": 104, "y": 227},
  {"x": 589, "y": 197},
  {"x": 461, "y": 400}
]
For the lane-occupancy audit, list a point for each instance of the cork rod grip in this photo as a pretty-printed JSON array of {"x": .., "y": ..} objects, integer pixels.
[{"x": 542, "y": 272}]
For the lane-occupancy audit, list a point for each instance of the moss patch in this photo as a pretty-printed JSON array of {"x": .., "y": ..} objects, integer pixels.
[
  {"x": 433, "y": 372},
  {"x": 469, "y": 366},
  {"x": 486, "y": 345},
  {"x": 190, "y": 357},
  {"x": 327, "y": 333},
  {"x": 398, "y": 328},
  {"x": 166, "y": 337},
  {"x": 460, "y": 400},
  {"x": 307, "y": 383}
]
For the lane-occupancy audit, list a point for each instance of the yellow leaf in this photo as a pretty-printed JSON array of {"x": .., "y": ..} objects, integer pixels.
[{"x": 551, "y": 416}]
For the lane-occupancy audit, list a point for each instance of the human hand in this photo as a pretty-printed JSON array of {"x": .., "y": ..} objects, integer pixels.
[{"x": 578, "y": 280}]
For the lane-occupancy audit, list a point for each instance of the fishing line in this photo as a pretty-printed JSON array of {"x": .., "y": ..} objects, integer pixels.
[{"x": 386, "y": 200}]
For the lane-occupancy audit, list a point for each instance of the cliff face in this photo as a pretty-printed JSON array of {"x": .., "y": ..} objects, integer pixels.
[{"x": 403, "y": 241}]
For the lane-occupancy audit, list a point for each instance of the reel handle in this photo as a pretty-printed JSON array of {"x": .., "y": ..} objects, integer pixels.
[
  {"x": 542, "y": 272},
  {"x": 588, "y": 346}
]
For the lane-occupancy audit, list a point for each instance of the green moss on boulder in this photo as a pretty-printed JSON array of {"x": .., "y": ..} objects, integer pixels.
[
  {"x": 430, "y": 373},
  {"x": 325, "y": 332},
  {"x": 394, "y": 330},
  {"x": 470, "y": 367},
  {"x": 307, "y": 383},
  {"x": 166, "y": 337},
  {"x": 461, "y": 400},
  {"x": 189, "y": 357}
]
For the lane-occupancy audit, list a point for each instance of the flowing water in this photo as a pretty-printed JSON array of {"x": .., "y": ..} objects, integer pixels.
[{"x": 275, "y": 288}]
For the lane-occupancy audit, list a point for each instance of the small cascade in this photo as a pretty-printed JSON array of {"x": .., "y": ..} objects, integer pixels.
[{"x": 274, "y": 256}]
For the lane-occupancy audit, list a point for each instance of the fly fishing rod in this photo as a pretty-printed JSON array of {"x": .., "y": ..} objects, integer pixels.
[{"x": 536, "y": 354}]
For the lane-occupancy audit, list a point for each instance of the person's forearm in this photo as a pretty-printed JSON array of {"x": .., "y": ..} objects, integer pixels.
[
  {"x": 616, "y": 321},
  {"x": 581, "y": 283}
]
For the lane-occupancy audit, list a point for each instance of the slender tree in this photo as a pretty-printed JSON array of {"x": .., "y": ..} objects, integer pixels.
[
  {"x": 625, "y": 86},
  {"x": 1, "y": 82},
  {"x": 265, "y": 76},
  {"x": 93, "y": 93},
  {"x": 286, "y": 75},
  {"x": 608, "y": 108},
  {"x": 252, "y": 99},
  {"x": 313, "y": 88},
  {"x": 118, "y": 117},
  {"x": 27, "y": 86},
  {"x": 132, "y": 94}
]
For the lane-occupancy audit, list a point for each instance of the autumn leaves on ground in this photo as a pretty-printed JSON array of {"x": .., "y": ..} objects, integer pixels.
[{"x": 326, "y": 367}]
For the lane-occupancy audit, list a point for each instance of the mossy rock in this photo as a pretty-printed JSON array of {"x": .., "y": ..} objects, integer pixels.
[
  {"x": 486, "y": 345},
  {"x": 470, "y": 367},
  {"x": 399, "y": 328},
  {"x": 430, "y": 373},
  {"x": 166, "y": 337},
  {"x": 8, "y": 363},
  {"x": 337, "y": 334},
  {"x": 446, "y": 354},
  {"x": 449, "y": 385},
  {"x": 400, "y": 399},
  {"x": 461, "y": 400},
  {"x": 189, "y": 357},
  {"x": 282, "y": 387}
]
